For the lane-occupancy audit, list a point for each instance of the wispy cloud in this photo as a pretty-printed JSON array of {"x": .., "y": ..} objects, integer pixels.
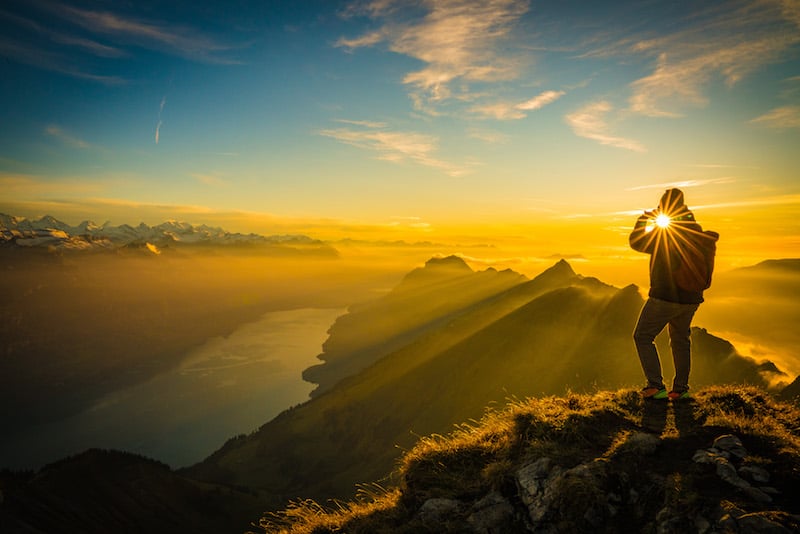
[
  {"x": 776, "y": 200},
  {"x": 93, "y": 47},
  {"x": 457, "y": 40},
  {"x": 66, "y": 138},
  {"x": 160, "y": 111},
  {"x": 211, "y": 180},
  {"x": 730, "y": 43},
  {"x": 86, "y": 38},
  {"x": 396, "y": 147},
  {"x": 590, "y": 122},
  {"x": 53, "y": 61},
  {"x": 781, "y": 118},
  {"x": 409, "y": 222},
  {"x": 18, "y": 185},
  {"x": 488, "y": 136},
  {"x": 365, "y": 124},
  {"x": 684, "y": 184},
  {"x": 512, "y": 111},
  {"x": 168, "y": 38}
]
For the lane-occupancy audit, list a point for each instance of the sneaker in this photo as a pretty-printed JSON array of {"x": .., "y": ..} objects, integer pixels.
[
  {"x": 678, "y": 395},
  {"x": 654, "y": 393}
]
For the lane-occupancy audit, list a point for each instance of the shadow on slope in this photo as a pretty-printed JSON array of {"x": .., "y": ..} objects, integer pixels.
[{"x": 607, "y": 462}]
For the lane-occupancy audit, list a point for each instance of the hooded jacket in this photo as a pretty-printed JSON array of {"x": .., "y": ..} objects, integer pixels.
[{"x": 664, "y": 247}]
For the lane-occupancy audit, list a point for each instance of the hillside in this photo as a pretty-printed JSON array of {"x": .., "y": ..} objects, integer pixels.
[
  {"x": 424, "y": 300},
  {"x": 558, "y": 332},
  {"x": 726, "y": 461},
  {"x": 109, "y": 491}
]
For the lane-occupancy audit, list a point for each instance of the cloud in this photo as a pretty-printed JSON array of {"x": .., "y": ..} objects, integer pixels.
[
  {"x": 15, "y": 185},
  {"x": 488, "y": 136},
  {"x": 160, "y": 111},
  {"x": 510, "y": 111},
  {"x": 684, "y": 184},
  {"x": 409, "y": 222},
  {"x": 768, "y": 201},
  {"x": 93, "y": 47},
  {"x": 395, "y": 146},
  {"x": 680, "y": 82},
  {"x": 457, "y": 40},
  {"x": 66, "y": 138},
  {"x": 784, "y": 117},
  {"x": 169, "y": 38},
  {"x": 730, "y": 43},
  {"x": 589, "y": 122},
  {"x": 366, "y": 124},
  {"x": 52, "y": 61},
  {"x": 368, "y": 39},
  {"x": 70, "y": 51},
  {"x": 209, "y": 179},
  {"x": 540, "y": 100}
]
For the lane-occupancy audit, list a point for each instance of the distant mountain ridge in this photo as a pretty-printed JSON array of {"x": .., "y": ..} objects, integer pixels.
[{"x": 51, "y": 232}]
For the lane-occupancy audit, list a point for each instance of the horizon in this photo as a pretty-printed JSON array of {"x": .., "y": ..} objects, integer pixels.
[{"x": 529, "y": 129}]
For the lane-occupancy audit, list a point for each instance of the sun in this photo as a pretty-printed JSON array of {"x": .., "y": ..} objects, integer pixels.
[{"x": 662, "y": 221}]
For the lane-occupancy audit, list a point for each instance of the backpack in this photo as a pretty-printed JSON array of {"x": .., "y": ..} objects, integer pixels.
[{"x": 697, "y": 265}]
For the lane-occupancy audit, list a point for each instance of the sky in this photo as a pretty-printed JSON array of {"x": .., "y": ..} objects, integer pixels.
[{"x": 538, "y": 126}]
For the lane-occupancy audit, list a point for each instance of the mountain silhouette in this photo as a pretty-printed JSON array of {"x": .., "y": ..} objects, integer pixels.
[
  {"x": 557, "y": 332},
  {"x": 102, "y": 491}
]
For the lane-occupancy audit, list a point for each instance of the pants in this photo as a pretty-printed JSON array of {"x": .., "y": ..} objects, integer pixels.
[{"x": 655, "y": 315}]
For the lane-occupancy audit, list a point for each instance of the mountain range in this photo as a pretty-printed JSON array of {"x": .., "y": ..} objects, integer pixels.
[
  {"x": 446, "y": 343},
  {"x": 49, "y": 232},
  {"x": 438, "y": 363}
]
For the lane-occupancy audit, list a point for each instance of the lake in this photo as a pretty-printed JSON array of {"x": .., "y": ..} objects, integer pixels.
[{"x": 230, "y": 385}]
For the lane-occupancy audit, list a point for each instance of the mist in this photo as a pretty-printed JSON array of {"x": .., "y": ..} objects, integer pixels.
[
  {"x": 91, "y": 340},
  {"x": 755, "y": 308}
]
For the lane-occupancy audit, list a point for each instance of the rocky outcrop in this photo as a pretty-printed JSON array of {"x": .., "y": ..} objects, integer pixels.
[{"x": 598, "y": 494}]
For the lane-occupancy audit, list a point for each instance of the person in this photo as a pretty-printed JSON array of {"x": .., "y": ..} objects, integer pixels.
[{"x": 665, "y": 234}]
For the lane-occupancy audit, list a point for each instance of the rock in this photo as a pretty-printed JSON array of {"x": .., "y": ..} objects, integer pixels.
[
  {"x": 703, "y": 456},
  {"x": 754, "y": 473},
  {"x": 731, "y": 444},
  {"x": 702, "y": 524},
  {"x": 769, "y": 490},
  {"x": 642, "y": 443},
  {"x": 436, "y": 510},
  {"x": 577, "y": 497},
  {"x": 759, "y": 523},
  {"x": 532, "y": 479},
  {"x": 727, "y": 472},
  {"x": 491, "y": 515},
  {"x": 757, "y": 495}
]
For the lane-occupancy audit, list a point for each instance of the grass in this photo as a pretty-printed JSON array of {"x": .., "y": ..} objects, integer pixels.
[{"x": 601, "y": 431}]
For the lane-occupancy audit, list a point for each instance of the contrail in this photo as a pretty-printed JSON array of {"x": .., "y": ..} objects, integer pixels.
[{"x": 160, "y": 109}]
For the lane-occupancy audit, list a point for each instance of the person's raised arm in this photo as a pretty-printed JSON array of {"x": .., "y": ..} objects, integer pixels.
[{"x": 640, "y": 239}]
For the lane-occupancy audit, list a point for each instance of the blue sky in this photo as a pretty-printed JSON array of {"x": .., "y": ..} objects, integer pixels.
[{"x": 426, "y": 115}]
